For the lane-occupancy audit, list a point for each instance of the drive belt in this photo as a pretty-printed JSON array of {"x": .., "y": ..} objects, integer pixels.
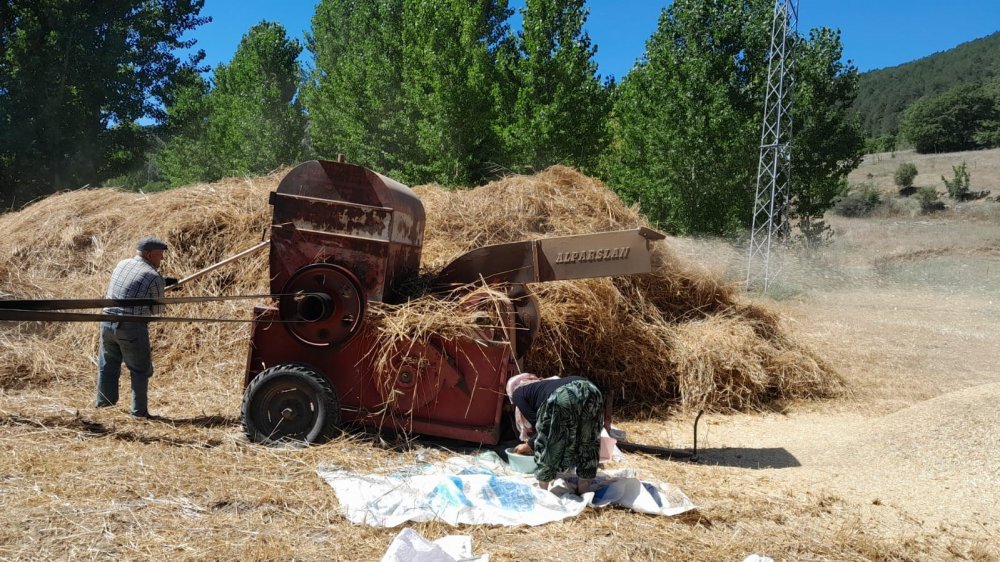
[{"x": 52, "y": 310}]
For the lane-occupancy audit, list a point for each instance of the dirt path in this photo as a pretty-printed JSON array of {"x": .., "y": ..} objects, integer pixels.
[
  {"x": 917, "y": 444},
  {"x": 934, "y": 462}
]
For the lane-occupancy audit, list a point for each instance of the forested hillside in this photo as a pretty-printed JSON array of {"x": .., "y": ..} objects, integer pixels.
[{"x": 884, "y": 94}]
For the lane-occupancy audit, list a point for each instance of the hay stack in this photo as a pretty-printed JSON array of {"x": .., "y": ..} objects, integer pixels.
[
  {"x": 678, "y": 335},
  {"x": 65, "y": 246}
]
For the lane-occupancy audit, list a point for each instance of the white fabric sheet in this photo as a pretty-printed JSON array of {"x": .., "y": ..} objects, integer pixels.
[{"x": 482, "y": 490}]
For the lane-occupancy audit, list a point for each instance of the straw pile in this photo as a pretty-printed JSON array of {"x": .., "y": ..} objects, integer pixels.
[
  {"x": 66, "y": 245},
  {"x": 677, "y": 336}
]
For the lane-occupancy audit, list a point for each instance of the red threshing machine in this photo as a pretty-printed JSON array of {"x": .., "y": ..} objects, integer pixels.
[{"x": 342, "y": 237}]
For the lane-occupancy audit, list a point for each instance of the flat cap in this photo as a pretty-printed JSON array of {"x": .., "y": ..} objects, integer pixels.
[{"x": 150, "y": 243}]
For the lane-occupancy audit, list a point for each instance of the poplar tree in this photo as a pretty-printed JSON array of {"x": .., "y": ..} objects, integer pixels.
[
  {"x": 257, "y": 123},
  {"x": 354, "y": 94},
  {"x": 250, "y": 122},
  {"x": 558, "y": 114},
  {"x": 186, "y": 156},
  {"x": 449, "y": 79},
  {"x": 827, "y": 137},
  {"x": 687, "y": 119}
]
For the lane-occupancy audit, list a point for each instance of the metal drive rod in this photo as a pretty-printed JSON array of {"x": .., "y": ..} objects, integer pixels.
[{"x": 213, "y": 267}]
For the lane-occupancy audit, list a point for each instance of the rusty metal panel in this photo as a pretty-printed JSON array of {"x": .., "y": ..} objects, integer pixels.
[
  {"x": 553, "y": 259},
  {"x": 331, "y": 180},
  {"x": 408, "y": 211},
  {"x": 292, "y": 249},
  {"x": 335, "y": 217},
  {"x": 344, "y": 214},
  {"x": 456, "y": 390}
]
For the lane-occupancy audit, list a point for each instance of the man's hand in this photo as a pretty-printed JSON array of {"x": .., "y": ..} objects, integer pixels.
[
  {"x": 168, "y": 281},
  {"x": 524, "y": 449}
]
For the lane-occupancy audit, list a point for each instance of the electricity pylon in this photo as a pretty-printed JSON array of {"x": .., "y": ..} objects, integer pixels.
[{"x": 770, "y": 216}]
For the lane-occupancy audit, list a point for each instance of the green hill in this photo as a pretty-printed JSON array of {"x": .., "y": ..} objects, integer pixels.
[{"x": 883, "y": 94}]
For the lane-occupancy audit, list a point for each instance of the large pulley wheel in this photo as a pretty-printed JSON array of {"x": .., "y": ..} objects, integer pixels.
[
  {"x": 322, "y": 304},
  {"x": 290, "y": 403}
]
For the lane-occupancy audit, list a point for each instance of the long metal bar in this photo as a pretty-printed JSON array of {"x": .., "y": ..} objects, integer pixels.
[
  {"x": 213, "y": 267},
  {"x": 53, "y": 310}
]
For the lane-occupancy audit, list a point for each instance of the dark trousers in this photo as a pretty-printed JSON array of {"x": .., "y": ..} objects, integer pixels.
[{"x": 124, "y": 342}]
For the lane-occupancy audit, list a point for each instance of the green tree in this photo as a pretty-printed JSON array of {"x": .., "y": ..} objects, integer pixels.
[
  {"x": 929, "y": 201},
  {"x": 75, "y": 78},
  {"x": 256, "y": 121},
  {"x": 827, "y": 142},
  {"x": 958, "y": 187},
  {"x": 559, "y": 111},
  {"x": 354, "y": 94},
  {"x": 686, "y": 120},
  {"x": 883, "y": 143},
  {"x": 948, "y": 122},
  {"x": 449, "y": 77},
  {"x": 186, "y": 156},
  {"x": 685, "y": 132},
  {"x": 987, "y": 133},
  {"x": 250, "y": 122},
  {"x": 905, "y": 174},
  {"x": 407, "y": 87}
]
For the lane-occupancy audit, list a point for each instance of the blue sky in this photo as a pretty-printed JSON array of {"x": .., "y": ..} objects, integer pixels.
[{"x": 875, "y": 33}]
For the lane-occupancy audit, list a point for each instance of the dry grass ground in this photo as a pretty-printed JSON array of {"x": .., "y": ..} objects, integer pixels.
[
  {"x": 983, "y": 167},
  {"x": 902, "y": 467}
]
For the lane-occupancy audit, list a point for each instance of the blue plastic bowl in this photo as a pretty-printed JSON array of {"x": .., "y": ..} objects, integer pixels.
[{"x": 519, "y": 462}]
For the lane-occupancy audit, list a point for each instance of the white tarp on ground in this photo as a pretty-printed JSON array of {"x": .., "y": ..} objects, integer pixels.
[
  {"x": 411, "y": 546},
  {"x": 482, "y": 490}
]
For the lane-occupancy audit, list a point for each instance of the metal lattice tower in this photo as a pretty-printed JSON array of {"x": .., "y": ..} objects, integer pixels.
[{"x": 770, "y": 215}]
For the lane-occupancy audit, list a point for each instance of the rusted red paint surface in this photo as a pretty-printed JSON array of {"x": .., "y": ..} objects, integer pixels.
[{"x": 336, "y": 227}]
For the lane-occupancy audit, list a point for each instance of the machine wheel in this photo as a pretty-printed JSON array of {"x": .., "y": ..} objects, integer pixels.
[{"x": 290, "y": 403}]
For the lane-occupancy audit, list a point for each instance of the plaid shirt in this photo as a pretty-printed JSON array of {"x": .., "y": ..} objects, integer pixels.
[{"x": 135, "y": 278}]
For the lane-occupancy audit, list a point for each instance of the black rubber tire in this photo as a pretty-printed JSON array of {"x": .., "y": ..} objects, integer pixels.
[{"x": 290, "y": 404}]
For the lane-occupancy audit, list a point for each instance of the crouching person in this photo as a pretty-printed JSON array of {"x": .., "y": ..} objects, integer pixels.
[{"x": 560, "y": 420}]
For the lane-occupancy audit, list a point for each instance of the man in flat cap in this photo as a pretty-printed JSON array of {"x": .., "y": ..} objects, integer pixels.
[{"x": 128, "y": 341}]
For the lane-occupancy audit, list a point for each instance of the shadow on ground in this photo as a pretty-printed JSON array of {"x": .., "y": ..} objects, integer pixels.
[{"x": 742, "y": 457}]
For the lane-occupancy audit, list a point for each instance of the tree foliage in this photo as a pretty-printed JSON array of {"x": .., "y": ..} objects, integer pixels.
[
  {"x": 827, "y": 142},
  {"x": 962, "y": 118},
  {"x": 438, "y": 91},
  {"x": 354, "y": 94},
  {"x": 407, "y": 86},
  {"x": 449, "y": 80},
  {"x": 74, "y": 79},
  {"x": 958, "y": 186},
  {"x": 905, "y": 174},
  {"x": 929, "y": 200},
  {"x": 250, "y": 122},
  {"x": 686, "y": 120},
  {"x": 885, "y": 94},
  {"x": 987, "y": 134},
  {"x": 558, "y": 113},
  {"x": 685, "y": 117},
  {"x": 186, "y": 157}
]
